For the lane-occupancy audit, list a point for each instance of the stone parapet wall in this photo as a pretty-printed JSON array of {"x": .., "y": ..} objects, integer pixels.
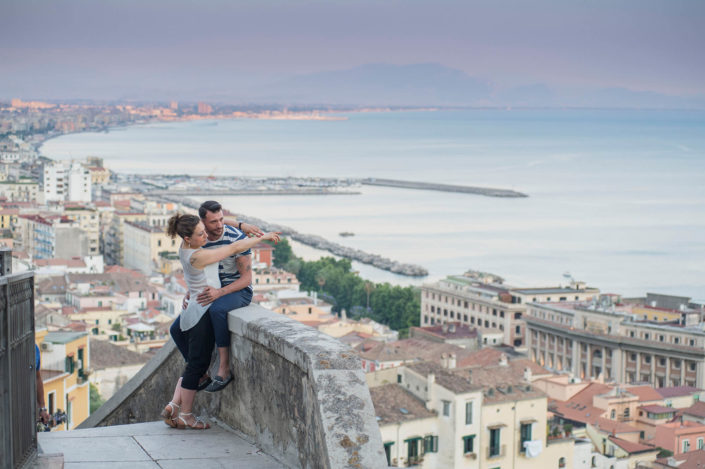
[{"x": 299, "y": 394}]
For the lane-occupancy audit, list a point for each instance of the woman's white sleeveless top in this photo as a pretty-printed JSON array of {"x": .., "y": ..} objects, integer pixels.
[{"x": 196, "y": 280}]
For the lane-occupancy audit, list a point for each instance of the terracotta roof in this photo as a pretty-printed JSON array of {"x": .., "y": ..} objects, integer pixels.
[
  {"x": 645, "y": 393},
  {"x": 50, "y": 375},
  {"x": 393, "y": 404},
  {"x": 406, "y": 349},
  {"x": 585, "y": 397},
  {"x": 696, "y": 410},
  {"x": 75, "y": 262},
  {"x": 631, "y": 448},
  {"x": 459, "y": 331},
  {"x": 576, "y": 412},
  {"x": 612, "y": 426},
  {"x": 451, "y": 381},
  {"x": 677, "y": 391},
  {"x": 658, "y": 409},
  {"x": 105, "y": 354},
  {"x": 689, "y": 460}
]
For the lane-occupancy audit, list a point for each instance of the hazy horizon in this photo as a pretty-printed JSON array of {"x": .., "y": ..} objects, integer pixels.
[{"x": 484, "y": 52}]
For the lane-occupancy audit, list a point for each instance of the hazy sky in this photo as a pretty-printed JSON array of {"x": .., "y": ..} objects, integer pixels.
[{"x": 50, "y": 48}]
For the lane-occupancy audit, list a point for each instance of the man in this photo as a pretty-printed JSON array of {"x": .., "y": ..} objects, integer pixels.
[{"x": 235, "y": 274}]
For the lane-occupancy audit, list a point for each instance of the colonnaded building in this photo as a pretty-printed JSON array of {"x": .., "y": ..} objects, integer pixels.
[{"x": 658, "y": 340}]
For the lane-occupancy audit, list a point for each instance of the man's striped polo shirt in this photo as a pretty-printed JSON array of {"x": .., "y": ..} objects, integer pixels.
[{"x": 227, "y": 269}]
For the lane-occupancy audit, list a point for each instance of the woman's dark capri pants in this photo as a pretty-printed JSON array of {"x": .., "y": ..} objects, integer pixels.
[
  {"x": 198, "y": 345},
  {"x": 218, "y": 313}
]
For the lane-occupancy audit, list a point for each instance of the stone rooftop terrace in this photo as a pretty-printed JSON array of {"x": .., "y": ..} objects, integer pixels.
[{"x": 151, "y": 445}]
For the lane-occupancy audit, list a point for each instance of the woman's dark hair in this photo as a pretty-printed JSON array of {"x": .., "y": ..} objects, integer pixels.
[
  {"x": 182, "y": 225},
  {"x": 209, "y": 206}
]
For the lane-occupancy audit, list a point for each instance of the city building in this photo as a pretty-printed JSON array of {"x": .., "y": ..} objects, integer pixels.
[
  {"x": 600, "y": 339},
  {"x": 450, "y": 333},
  {"x": 271, "y": 278},
  {"x": 64, "y": 369},
  {"x": 478, "y": 302},
  {"x": 63, "y": 180},
  {"x": 487, "y": 416},
  {"x": 52, "y": 236},
  {"x": 23, "y": 190},
  {"x": 144, "y": 246}
]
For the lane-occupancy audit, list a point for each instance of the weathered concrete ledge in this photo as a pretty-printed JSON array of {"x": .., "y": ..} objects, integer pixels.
[{"x": 299, "y": 394}]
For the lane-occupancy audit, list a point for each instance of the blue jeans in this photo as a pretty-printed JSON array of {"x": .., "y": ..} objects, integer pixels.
[{"x": 218, "y": 312}]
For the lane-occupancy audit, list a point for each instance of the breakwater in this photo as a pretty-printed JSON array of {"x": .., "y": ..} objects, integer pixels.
[
  {"x": 264, "y": 191},
  {"x": 428, "y": 186},
  {"x": 319, "y": 242}
]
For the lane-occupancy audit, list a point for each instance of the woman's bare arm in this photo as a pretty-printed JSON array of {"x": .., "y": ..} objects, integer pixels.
[{"x": 204, "y": 257}]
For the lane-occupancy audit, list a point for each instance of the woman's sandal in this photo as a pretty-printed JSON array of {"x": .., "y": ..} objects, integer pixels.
[
  {"x": 169, "y": 416},
  {"x": 199, "y": 424}
]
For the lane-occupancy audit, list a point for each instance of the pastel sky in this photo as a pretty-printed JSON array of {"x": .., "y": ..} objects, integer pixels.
[{"x": 88, "y": 48}]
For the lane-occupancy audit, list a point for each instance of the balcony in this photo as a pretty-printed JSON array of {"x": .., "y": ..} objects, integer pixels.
[
  {"x": 494, "y": 452},
  {"x": 299, "y": 400}
]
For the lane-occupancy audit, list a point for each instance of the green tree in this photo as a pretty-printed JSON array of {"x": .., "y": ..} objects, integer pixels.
[
  {"x": 398, "y": 307},
  {"x": 96, "y": 400},
  {"x": 282, "y": 252}
]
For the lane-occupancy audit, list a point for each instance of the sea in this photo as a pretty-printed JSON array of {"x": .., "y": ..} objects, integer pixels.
[{"x": 616, "y": 197}]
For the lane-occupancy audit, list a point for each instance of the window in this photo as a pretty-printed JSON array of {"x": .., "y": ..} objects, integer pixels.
[
  {"x": 388, "y": 452},
  {"x": 647, "y": 359},
  {"x": 446, "y": 408},
  {"x": 494, "y": 443},
  {"x": 626, "y": 413},
  {"x": 632, "y": 357},
  {"x": 676, "y": 364},
  {"x": 412, "y": 450},
  {"x": 468, "y": 413},
  {"x": 701, "y": 443},
  {"x": 518, "y": 329},
  {"x": 525, "y": 435},
  {"x": 398, "y": 378},
  {"x": 613, "y": 414},
  {"x": 430, "y": 444},
  {"x": 51, "y": 404},
  {"x": 468, "y": 444},
  {"x": 686, "y": 446},
  {"x": 69, "y": 365},
  {"x": 561, "y": 462},
  {"x": 676, "y": 340}
]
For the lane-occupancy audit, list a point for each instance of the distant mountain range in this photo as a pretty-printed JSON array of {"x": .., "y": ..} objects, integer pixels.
[{"x": 437, "y": 85}]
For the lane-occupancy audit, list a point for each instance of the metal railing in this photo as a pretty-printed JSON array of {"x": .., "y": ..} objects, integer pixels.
[
  {"x": 496, "y": 451},
  {"x": 18, "y": 402}
]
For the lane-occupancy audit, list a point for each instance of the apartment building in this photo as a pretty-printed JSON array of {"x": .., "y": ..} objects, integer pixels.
[
  {"x": 599, "y": 339},
  {"x": 52, "y": 236},
  {"x": 23, "y": 190},
  {"x": 144, "y": 244},
  {"x": 489, "y": 306},
  {"x": 88, "y": 219},
  {"x": 482, "y": 417},
  {"x": 62, "y": 180},
  {"x": 113, "y": 237},
  {"x": 65, "y": 362}
]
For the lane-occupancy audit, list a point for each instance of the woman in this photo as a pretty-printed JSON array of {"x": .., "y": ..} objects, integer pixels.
[{"x": 200, "y": 271}]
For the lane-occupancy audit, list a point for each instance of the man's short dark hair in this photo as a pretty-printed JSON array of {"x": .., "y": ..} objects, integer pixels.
[{"x": 209, "y": 206}]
